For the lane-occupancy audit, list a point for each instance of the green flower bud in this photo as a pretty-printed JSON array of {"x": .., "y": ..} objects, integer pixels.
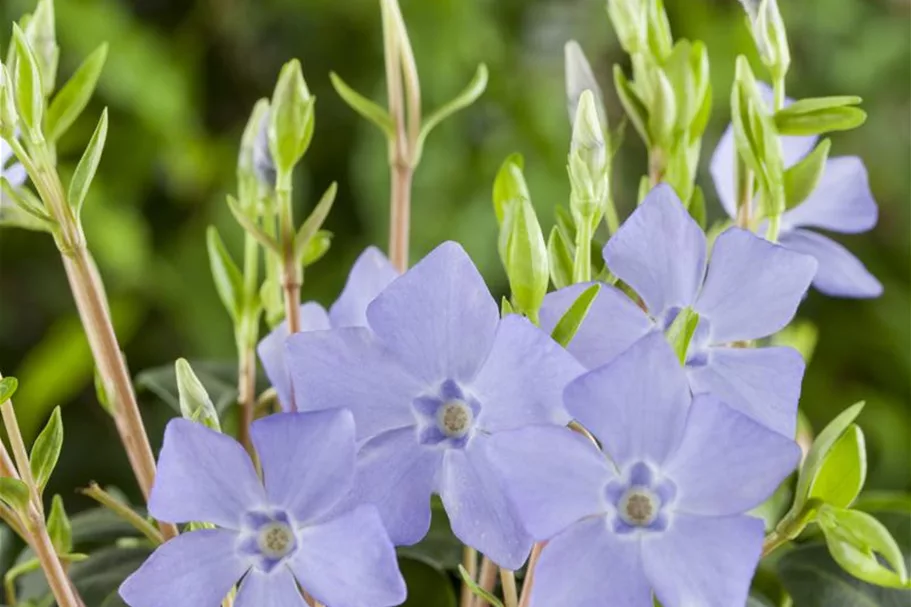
[
  {"x": 9, "y": 118},
  {"x": 630, "y": 21},
  {"x": 770, "y": 35},
  {"x": 588, "y": 161},
  {"x": 41, "y": 32},
  {"x": 195, "y": 404},
  {"x": 580, "y": 78},
  {"x": 291, "y": 121},
  {"x": 525, "y": 258},
  {"x": 254, "y": 162}
]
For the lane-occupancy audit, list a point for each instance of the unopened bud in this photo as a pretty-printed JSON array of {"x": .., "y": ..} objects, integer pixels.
[
  {"x": 525, "y": 258},
  {"x": 580, "y": 78},
  {"x": 41, "y": 32},
  {"x": 254, "y": 163},
  {"x": 630, "y": 21},
  {"x": 291, "y": 120},
  {"x": 770, "y": 36},
  {"x": 195, "y": 404},
  {"x": 588, "y": 161},
  {"x": 8, "y": 116}
]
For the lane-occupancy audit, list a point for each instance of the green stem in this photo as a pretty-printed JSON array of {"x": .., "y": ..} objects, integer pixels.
[
  {"x": 123, "y": 511},
  {"x": 582, "y": 265}
]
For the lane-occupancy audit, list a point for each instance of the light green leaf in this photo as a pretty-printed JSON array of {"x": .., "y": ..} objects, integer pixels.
[
  {"x": 85, "y": 170},
  {"x": 681, "y": 332},
  {"x": 568, "y": 325},
  {"x": 468, "y": 96},
  {"x": 506, "y": 308},
  {"x": 29, "y": 95},
  {"x": 46, "y": 450},
  {"x": 509, "y": 185},
  {"x": 316, "y": 248},
  {"x": 363, "y": 106},
  {"x": 8, "y": 387},
  {"x": 477, "y": 590},
  {"x": 819, "y": 121},
  {"x": 28, "y": 204},
  {"x": 802, "y": 178},
  {"x": 697, "y": 207},
  {"x": 314, "y": 221},
  {"x": 73, "y": 98},
  {"x": 635, "y": 108},
  {"x": 855, "y": 539},
  {"x": 228, "y": 278},
  {"x": 251, "y": 228},
  {"x": 843, "y": 471},
  {"x": 59, "y": 528},
  {"x": 814, "y": 104},
  {"x": 560, "y": 257},
  {"x": 14, "y": 492},
  {"x": 195, "y": 404}
]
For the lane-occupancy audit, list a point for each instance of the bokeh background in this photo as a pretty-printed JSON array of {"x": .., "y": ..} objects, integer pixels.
[{"x": 182, "y": 76}]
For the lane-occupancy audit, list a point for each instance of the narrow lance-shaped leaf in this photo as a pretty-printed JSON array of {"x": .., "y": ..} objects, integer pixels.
[
  {"x": 316, "y": 248},
  {"x": 477, "y": 590},
  {"x": 88, "y": 165},
  {"x": 568, "y": 325},
  {"x": 560, "y": 256},
  {"x": 801, "y": 179},
  {"x": 632, "y": 104},
  {"x": 73, "y": 98},
  {"x": 14, "y": 492},
  {"x": 29, "y": 96},
  {"x": 363, "y": 106},
  {"x": 59, "y": 528},
  {"x": 46, "y": 450},
  {"x": 468, "y": 96},
  {"x": 227, "y": 276},
  {"x": 820, "y": 121},
  {"x": 314, "y": 221},
  {"x": 250, "y": 226},
  {"x": 844, "y": 470},
  {"x": 195, "y": 404},
  {"x": 27, "y": 204}
]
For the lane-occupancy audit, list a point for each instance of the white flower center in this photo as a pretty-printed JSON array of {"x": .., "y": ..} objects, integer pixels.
[
  {"x": 275, "y": 540},
  {"x": 454, "y": 418},
  {"x": 639, "y": 506}
]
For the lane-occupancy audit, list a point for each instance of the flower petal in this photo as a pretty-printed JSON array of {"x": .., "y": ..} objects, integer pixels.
[
  {"x": 370, "y": 274},
  {"x": 15, "y": 174},
  {"x": 753, "y": 287},
  {"x": 589, "y": 566},
  {"x": 704, "y": 561},
  {"x": 439, "y": 317},
  {"x": 275, "y": 589},
  {"x": 480, "y": 513},
  {"x": 349, "y": 562},
  {"x": 397, "y": 474},
  {"x": 194, "y": 569},
  {"x": 761, "y": 383},
  {"x": 637, "y": 404},
  {"x": 727, "y": 463},
  {"x": 522, "y": 381},
  {"x": 271, "y": 349},
  {"x": 307, "y": 460},
  {"x": 203, "y": 476},
  {"x": 613, "y": 323},
  {"x": 550, "y": 493},
  {"x": 348, "y": 368},
  {"x": 840, "y": 274},
  {"x": 660, "y": 252},
  {"x": 842, "y": 202}
]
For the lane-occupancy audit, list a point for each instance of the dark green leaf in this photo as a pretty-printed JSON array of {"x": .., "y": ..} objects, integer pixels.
[
  {"x": 72, "y": 99},
  {"x": 46, "y": 450},
  {"x": 802, "y": 178},
  {"x": 228, "y": 279},
  {"x": 573, "y": 318},
  {"x": 428, "y": 586}
]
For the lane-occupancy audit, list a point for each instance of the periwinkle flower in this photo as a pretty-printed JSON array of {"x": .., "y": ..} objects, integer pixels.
[
  {"x": 370, "y": 274},
  {"x": 291, "y": 528},
  {"x": 749, "y": 290},
  {"x": 842, "y": 202},
  {"x": 13, "y": 172},
  {"x": 662, "y": 508},
  {"x": 431, "y": 378}
]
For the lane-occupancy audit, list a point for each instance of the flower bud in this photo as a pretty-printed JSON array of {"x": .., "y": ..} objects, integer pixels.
[
  {"x": 8, "y": 116},
  {"x": 254, "y": 163},
  {"x": 770, "y": 35},
  {"x": 588, "y": 161},
  {"x": 525, "y": 257},
  {"x": 580, "y": 78},
  {"x": 291, "y": 120},
  {"x": 195, "y": 404},
  {"x": 41, "y": 32},
  {"x": 630, "y": 21}
]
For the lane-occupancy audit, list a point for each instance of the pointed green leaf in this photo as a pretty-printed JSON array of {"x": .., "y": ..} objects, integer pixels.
[
  {"x": 316, "y": 248},
  {"x": 506, "y": 308},
  {"x": 251, "y": 228},
  {"x": 85, "y": 170},
  {"x": 509, "y": 185},
  {"x": 29, "y": 95},
  {"x": 820, "y": 449},
  {"x": 28, "y": 204},
  {"x": 632, "y": 104},
  {"x": 560, "y": 256},
  {"x": 526, "y": 258},
  {"x": 228, "y": 278},
  {"x": 802, "y": 178},
  {"x": 468, "y": 96},
  {"x": 697, "y": 207},
  {"x": 477, "y": 590},
  {"x": 363, "y": 106},
  {"x": 14, "y": 492},
  {"x": 681, "y": 332},
  {"x": 807, "y": 106},
  {"x": 572, "y": 319},
  {"x": 843, "y": 471},
  {"x": 314, "y": 221},
  {"x": 820, "y": 121},
  {"x": 195, "y": 404},
  {"x": 73, "y": 98},
  {"x": 59, "y": 527},
  {"x": 855, "y": 539},
  {"x": 46, "y": 450}
]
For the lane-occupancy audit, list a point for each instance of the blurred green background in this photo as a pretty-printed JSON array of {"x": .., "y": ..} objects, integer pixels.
[{"x": 182, "y": 76}]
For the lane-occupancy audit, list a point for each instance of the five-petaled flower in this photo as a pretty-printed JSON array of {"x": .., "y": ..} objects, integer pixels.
[
  {"x": 370, "y": 274},
  {"x": 842, "y": 202},
  {"x": 750, "y": 289},
  {"x": 663, "y": 512},
  {"x": 291, "y": 528},
  {"x": 434, "y": 374}
]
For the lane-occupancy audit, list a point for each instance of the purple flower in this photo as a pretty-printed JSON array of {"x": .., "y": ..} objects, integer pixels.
[
  {"x": 12, "y": 171},
  {"x": 842, "y": 202},
  {"x": 433, "y": 377},
  {"x": 370, "y": 274},
  {"x": 750, "y": 290},
  {"x": 275, "y": 534},
  {"x": 664, "y": 511}
]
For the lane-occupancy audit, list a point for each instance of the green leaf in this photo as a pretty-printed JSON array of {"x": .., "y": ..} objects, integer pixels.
[
  {"x": 229, "y": 282},
  {"x": 568, "y": 325},
  {"x": 8, "y": 387},
  {"x": 477, "y": 590},
  {"x": 46, "y": 450},
  {"x": 316, "y": 248},
  {"x": 427, "y": 585},
  {"x": 681, "y": 332},
  {"x": 509, "y": 185},
  {"x": 29, "y": 95},
  {"x": 14, "y": 492},
  {"x": 856, "y": 540},
  {"x": 218, "y": 379},
  {"x": 819, "y": 121},
  {"x": 363, "y": 106},
  {"x": 59, "y": 527},
  {"x": 314, "y": 221},
  {"x": 525, "y": 258},
  {"x": 73, "y": 98},
  {"x": 26, "y": 203},
  {"x": 560, "y": 257},
  {"x": 251, "y": 228},
  {"x": 843, "y": 471},
  {"x": 802, "y": 178},
  {"x": 468, "y": 96},
  {"x": 632, "y": 104},
  {"x": 697, "y": 207},
  {"x": 195, "y": 404},
  {"x": 820, "y": 449},
  {"x": 815, "y": 104},
  {"x": 439, "y": 547},
  {"x": 506, "y": 308},
  {"x": 85, "y": 170}
]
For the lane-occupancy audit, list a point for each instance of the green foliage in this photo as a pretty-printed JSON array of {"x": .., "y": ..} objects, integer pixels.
[
  {"x": 227, "y": 276},
  {"x": 14, "y": 492},
  {"x": 291, "y": 127},
  {"x": 195, "y": 404},
  {"x": 857, "y": 542},
  {"x": 74, "y": 96},
  {"x": 477, "y": 590},
  {"x": 85, "y": 170},
  {"x": 843, "y": 471},
  {"x": 363, "y": 106},
  {"x": 820, "y": 115},
  {"x": 801, "y": 179},
  {"x": 59, "y": 527},
  {"x": 29, "y": 94},
  {"x": 568, "y": 325},
  {"x": 46, "y": 450},
  {"x": 8, "y": 387},
  {"x": 469, "y": 95}
]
